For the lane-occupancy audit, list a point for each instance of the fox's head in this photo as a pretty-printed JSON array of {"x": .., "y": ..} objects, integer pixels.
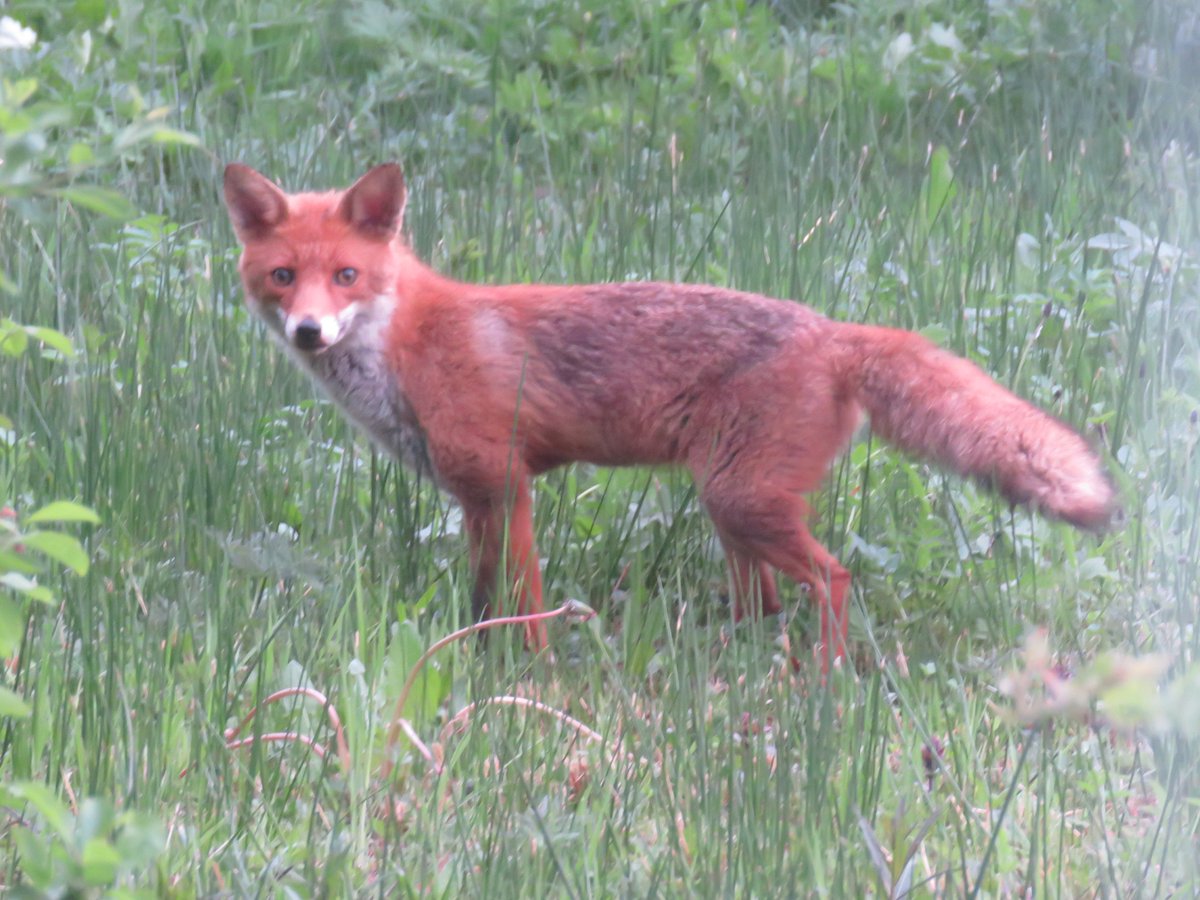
[{"x": 313, "y": 263}]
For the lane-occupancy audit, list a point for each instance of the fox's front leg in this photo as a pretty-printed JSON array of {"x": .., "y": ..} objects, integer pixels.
[{"x": 495, "y": 524}]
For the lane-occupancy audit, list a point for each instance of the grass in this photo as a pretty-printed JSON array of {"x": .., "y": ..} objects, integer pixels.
[{"x": 1021, "y": 186}]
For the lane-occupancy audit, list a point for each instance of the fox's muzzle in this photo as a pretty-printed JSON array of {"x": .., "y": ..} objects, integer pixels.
[
  {"x": 307, "y": 335},
  {"x": 312, "y": 334}
]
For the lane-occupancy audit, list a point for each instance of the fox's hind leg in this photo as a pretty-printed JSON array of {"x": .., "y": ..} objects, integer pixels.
[
  {"x": 752, "y": 475},
  {"x": 803, "y": 558},
  {"x": 753, "y": 581},
  {"x": 760, "y": 533}
]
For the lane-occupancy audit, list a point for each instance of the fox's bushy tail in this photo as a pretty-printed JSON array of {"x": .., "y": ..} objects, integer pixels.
[{"x": 934, "y": 404}]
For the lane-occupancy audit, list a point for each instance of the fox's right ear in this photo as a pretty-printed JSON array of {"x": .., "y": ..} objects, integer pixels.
[{"x": 255, "y": 204}]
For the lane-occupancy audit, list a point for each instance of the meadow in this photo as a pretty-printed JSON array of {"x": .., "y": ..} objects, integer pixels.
[{"x": 187, "y": 528}]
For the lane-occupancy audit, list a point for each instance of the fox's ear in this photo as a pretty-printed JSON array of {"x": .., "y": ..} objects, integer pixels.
[
  {"x": 255, "y": 204},
  {"x": 375, "y": 203}
]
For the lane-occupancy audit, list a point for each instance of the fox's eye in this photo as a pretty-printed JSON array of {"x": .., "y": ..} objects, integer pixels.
[
  {"x": 283, "y": 276},
  {"x": 345, "y": 277}
]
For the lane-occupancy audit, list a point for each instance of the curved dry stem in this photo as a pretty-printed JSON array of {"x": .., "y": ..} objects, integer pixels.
[
  {"x": 279, "y": 736},
  {"x": 579, "y": 611},
  {"x": 612, "y": 748},
  {"x": 424, "y": 750},
  {"x": 334, "y": 719},
  {"x": 571, "y": 722}
]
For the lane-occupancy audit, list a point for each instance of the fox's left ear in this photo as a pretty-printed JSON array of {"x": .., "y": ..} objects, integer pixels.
[{"x": 375, "y": 203}]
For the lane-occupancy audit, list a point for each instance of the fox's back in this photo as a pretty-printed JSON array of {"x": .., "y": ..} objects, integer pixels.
[{"x": 632, "y": 372}]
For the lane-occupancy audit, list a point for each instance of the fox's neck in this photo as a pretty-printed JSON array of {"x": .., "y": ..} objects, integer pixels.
[{"x": 416, "y": 279}]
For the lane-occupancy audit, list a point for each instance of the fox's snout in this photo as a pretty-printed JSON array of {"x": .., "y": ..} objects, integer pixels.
[{"x": 308, "y": 333}]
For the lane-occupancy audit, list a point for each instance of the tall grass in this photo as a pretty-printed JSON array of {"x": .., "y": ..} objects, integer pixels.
[{"x": 1021, "y": 186}]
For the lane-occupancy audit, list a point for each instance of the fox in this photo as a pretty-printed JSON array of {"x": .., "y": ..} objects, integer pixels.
[{"x": 484, "y": 387}]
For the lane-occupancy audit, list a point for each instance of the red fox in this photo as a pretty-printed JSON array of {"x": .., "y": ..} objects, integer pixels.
[{"x": 485, "y": 387}]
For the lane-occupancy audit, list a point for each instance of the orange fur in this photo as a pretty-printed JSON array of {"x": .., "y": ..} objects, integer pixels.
[{"x": 488, "y": 386}]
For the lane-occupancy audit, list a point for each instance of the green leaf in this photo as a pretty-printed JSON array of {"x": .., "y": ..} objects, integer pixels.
[
  {"x": 1093, "y": 567},
  {"x": 80, "y": 156},
  {"x": 13, "y": 339},
  {"x": 939, "y": 186},
  {"x": 22, "y": 584},
  {"x": 825, "y": 67},
  {"x": 44, "y": 800},
  {"x": 12, "y": 706},
  {"x": 64, "y": 511},
  {"x": 430, "y": 686},
  {"x": 38, "y": 861},
  {"x": 1131, "y": 703},
  {"x": 89, "y": 13},
  {"x": 11, "y": 561},
  {"x": 175, "y": 137},
  {"x": 17, "y": 92},
  {"x": 62, "y": 548},
  {"x": 51, "y": 338},
  {"x": 101, "y": 862},
  {"x": 94, "y": 820},
  {"x": 139, "y": 838},
  {"x": 12, "y": 625},
  {"x": 104, "y": 201}
]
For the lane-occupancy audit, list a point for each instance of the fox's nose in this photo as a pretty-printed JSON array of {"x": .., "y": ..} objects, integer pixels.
[{"x": 308, "y": 334}]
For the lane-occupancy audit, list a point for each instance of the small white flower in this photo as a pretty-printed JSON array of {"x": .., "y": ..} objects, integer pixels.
[
  {"x": 945, "y": 37},
  {"x": 15, "y": 36},
  {"x": 897, "y": 52}
]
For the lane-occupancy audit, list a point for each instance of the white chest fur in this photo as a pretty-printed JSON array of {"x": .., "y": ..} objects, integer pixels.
[{"x": 356, "y": 375}]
